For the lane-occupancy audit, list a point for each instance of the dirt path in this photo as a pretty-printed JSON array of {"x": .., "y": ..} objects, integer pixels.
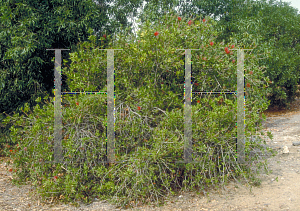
[{"x": 279, "y": 190}]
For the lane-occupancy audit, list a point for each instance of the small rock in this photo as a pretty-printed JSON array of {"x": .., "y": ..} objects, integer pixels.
[
  {"x": 285, "y": 149},
  {"x": 296, "y": 143}
]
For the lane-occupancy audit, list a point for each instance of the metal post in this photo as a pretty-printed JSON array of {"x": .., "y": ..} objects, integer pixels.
[
  {"x": 57, "y": 107},
  {"x": 188, "y": 109},
  {"x": 188, "y": 133},
  {"x": 110, "y": 107},
  {"x": 240, "y": 107}
]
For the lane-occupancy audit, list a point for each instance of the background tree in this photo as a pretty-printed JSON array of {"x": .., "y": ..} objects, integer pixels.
[
  {"x": 29, "y": 27},
  {"x": 273, "y": 26}
]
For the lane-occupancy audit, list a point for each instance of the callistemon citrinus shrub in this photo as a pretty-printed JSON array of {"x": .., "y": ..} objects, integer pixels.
[{"x": 149, "y": 126}]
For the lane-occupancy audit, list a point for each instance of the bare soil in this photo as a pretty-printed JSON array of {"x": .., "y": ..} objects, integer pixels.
[{"x": 280, "y": 190}]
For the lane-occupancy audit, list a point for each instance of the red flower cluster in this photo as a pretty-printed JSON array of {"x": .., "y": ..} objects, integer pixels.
[
  {"x": 204, "y": 20},
  {"x": 104, "y": 36},
  {"x": 77, "y": 103},
  {"x": 179, "y": 18},
  {"x": 156, "y": 33},
  {"x": 226, "y": 50},
  {"x": 139, "y": 108},
  {"x": 190, "y": 22},
  {"x": 211, "y": 43}
]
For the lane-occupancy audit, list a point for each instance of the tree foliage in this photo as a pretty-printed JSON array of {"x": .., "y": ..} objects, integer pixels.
[
  {"x": 272, "y": 25},
  {"x": 29, "y": 27},
  {"x": 274, "y": 28}
]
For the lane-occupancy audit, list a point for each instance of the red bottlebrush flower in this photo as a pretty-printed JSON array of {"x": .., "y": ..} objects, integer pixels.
[
  {"x": 232, "y": 46},
  {"x": 10, "y": 170},
  {"x": 204, "y": 58},
  {"x": 77, "y": 103},
  {"x": 198, "y": 101},
  {"x": 10, "y": 150},
  {"x": 55, "y": 177},
  {"x": 179, "y": 18},
  {"x": 248, "y": 85},
  {"x": 139, "y": 108},
  {"x": 211, "y": 43},
  {"x": 233, "y": 61},
  {"x": 156, "y": 33},
  {"x": 190, "y": 22},
  {"x": 104, "y": 36},
  {"x": 226, "y": 50},
  {"x": 204, "y": 20},
  {"x": 251, "y": 72}
]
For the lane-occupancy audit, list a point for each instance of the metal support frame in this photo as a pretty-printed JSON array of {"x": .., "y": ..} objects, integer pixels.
[{"x": 58, "y": 158}]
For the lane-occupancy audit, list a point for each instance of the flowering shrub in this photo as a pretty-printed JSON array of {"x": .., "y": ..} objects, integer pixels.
[{"x": 149, "y": 73}]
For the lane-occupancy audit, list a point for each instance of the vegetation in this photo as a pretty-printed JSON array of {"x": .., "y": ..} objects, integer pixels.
[
  {"x": 273, "y": 27},
  {"x": 28, "y": 27},
  {"x": 149, "y": 83}
]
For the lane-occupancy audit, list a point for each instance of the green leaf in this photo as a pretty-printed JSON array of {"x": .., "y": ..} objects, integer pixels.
[{"x": 38, "y": 100}]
